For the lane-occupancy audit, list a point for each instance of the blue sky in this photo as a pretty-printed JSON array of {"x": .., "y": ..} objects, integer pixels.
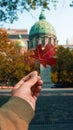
[{"x": 61, "y": 19}]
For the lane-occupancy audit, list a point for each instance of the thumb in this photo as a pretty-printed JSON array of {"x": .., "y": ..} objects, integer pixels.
[{"x": 32, "y": 80}]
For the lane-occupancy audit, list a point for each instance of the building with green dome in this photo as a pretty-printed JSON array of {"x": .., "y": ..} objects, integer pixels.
[
  {"x": 42, "y": 32},
  {"x": 21, "y": 45}
]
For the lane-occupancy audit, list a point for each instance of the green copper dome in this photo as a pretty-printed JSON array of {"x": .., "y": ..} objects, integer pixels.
[
  {"x": 42, "y": 27},
  {"x": 20, "y": 43}
]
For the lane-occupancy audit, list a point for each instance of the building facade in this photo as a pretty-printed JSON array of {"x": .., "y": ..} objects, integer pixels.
[
  {"x": 42, "y": 32},
  {"x": 20, "y": 36}
]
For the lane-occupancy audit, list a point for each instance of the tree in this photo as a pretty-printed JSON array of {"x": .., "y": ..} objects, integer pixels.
[
  {"x": 13, "y": 65},
  {"x": 8, "y": 58},
  {"x": 63, "y": 71},
  {"x": 71, "y": 4},
  {"x": 9, "y": 9}
]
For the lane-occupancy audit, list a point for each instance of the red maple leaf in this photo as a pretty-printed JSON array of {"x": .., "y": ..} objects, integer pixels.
[{"x": 46, "y": 55}]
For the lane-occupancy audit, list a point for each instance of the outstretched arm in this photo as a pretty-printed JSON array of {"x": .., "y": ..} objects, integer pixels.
[{"x": 18, "y": 112}]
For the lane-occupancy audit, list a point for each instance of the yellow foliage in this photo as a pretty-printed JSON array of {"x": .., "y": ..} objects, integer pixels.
[{"x": 54, "y": 77}]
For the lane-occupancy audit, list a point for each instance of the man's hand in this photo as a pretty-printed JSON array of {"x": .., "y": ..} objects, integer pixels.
[{"x": 29, "y": 88}]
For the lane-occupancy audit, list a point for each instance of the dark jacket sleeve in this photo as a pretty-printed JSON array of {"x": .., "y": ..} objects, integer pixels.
[{"x": 16, "y": 114}]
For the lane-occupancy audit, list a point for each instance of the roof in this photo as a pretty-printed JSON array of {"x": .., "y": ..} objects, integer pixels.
[{"x": 42, "y": 26}]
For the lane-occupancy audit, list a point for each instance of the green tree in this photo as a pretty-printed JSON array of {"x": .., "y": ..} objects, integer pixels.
[
  {"x": 9, "y": 9},
  {"x": 62, "y": 72}
]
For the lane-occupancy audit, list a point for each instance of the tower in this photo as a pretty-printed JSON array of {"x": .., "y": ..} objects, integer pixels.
[
  {"x": 42, "y": 32},
  {"x": 21, "y": 45}
]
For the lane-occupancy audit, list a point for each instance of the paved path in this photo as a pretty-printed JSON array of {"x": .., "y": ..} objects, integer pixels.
[
  {"x": 54, "y": 109},
  {"x": 64, "y": 126}
]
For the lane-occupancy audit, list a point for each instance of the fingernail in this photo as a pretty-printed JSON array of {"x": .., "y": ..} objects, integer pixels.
[{"x": 34, "y": 75}]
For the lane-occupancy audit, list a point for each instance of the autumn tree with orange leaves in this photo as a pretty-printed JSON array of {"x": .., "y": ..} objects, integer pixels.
[{"x": 13, "y": 65}]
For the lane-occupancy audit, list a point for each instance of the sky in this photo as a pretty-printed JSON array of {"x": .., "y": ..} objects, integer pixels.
[{"x": 61, "y": 19}]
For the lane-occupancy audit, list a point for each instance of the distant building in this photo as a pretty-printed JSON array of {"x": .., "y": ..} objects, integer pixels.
[
  {"x": 69, "y": 40},
  {"x": 42, "y": 32},
  {"x": 68, "y": 46},
  {"x": 14, "y": 33},
  {"x": 69, "y": 43},
  {"x": 20, "y": 35}
]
